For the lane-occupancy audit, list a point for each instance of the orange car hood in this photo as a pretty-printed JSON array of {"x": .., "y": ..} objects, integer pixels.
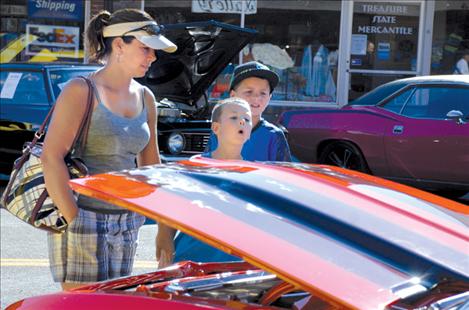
[{"x": 352, "y": 239}]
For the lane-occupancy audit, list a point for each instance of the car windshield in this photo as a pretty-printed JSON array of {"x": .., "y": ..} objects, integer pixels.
[
  {"x": 59, "y": 78},
  {"x": 378, "y": 94},
  {"x": 19, "y": 86}
]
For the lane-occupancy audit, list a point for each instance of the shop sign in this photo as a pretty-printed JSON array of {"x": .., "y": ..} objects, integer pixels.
[
  {"x": 56, "y": 9},
  {"x": 385, "y": 18},
  {"x": 397, "y": 9},
  {"x": 384, "y": 51},
  {"x": 62, "y": 41},
  {"x": 224, "y": 6},
  {"x": 359, "y": 42}
]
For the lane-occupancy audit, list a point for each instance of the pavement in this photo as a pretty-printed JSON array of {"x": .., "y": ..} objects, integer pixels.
[{"x": 24, "y": 263}]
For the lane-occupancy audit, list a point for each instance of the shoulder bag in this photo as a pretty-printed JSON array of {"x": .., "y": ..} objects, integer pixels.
[{"x": 26, "y": 195}]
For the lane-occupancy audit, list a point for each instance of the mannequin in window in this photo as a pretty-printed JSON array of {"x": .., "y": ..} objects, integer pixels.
[{"x": 368, "y": 59}]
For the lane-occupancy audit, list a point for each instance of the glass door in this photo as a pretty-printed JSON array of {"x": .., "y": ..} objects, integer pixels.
[{"x": 385, "y": 43}]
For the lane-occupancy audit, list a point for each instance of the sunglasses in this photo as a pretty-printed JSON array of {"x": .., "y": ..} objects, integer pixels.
[{"x": 152, "y": 29}]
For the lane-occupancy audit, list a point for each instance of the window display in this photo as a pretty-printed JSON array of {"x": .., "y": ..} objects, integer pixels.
[
  {"x": 450, "y": 35},
  {"x": 297, "y": 39},
  {"x": 302, "y": 46}
]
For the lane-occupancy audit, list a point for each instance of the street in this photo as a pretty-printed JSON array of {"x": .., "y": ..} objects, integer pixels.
[{"x": 24, "y": 262}]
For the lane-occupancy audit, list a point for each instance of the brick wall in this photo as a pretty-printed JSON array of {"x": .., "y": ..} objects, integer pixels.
[
  {"x": 113, "y": 5},
  {"x": 96, "y": 6}
]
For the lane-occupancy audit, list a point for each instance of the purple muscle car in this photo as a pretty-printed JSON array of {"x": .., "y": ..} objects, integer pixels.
[{"x": 414, "y": 131}]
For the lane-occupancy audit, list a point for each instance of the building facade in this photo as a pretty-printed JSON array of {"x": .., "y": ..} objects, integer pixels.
[{"x": 325, "y": 52}]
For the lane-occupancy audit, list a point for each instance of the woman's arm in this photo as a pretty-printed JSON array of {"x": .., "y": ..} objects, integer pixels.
[
  {"x": 68, "y": 114},
  {"x": 150, "y": 155},
  {"x": 165, "y": 245}
]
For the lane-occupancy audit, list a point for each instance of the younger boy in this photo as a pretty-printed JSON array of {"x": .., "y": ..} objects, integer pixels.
[
  {"x": 255, "y": 82},
  {"x": 232, "y": 124}
]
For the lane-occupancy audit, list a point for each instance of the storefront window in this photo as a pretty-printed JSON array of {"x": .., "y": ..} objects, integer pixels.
[
  {"x": 297, "y": 39},
  {"x": 385, "y": 36},
  {"x": 35, "y": 30},
  {"x": 450, "y": 35},
  {"x": 384, "y": 43}
]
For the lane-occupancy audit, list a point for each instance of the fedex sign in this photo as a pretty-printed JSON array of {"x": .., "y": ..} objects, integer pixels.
[{"x": 57, "y": 39}]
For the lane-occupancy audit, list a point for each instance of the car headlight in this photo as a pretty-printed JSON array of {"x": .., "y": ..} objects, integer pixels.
[{"x": 176, "y": 143}]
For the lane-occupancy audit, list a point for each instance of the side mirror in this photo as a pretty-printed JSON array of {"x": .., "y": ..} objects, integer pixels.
[{"x": 456, "y": 115}]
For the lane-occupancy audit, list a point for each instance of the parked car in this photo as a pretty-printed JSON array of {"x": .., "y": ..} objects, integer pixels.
[
  {"x": 179, "y": 81},
  {"x": 312, "y": 237},
  {"x": 28, "y": 91},
  {"x": 413, "y": 131}
]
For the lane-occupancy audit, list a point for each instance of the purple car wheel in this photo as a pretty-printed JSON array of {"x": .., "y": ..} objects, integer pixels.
[{"x": 345, "y": 155}]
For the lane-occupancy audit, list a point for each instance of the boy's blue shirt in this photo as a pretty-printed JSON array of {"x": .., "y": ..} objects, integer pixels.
[
  {"x": 267, "y": 143},
  {"x": 189, "y": 248}
]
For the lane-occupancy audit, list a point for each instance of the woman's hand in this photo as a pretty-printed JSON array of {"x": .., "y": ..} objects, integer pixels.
[
  {"x": 71, "y": 215},
  {"x": 165, "y": 245}
]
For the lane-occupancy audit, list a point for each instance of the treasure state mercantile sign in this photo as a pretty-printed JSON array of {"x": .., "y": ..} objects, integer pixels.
[{"x": 385, "y": 18}]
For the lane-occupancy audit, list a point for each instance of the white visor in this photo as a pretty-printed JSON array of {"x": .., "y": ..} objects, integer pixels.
[{"x": 157, "y": 42}]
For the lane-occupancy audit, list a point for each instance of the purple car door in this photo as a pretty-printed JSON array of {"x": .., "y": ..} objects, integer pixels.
[{"x": 425, "y": 143}]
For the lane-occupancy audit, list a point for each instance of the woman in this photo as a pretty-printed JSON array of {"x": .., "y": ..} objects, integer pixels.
[{"x": 101, "y": 238}]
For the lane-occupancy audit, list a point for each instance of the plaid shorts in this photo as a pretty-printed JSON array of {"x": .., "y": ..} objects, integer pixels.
[{"x": 95, "y": 247}]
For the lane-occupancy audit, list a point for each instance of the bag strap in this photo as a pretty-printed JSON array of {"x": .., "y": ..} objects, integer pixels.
[
  {"x": 80, "y": 138},
  {"x": 40, "y": 132},
  {"x": 82, "y": 134}
]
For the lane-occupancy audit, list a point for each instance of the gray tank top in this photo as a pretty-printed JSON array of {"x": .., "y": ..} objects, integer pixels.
[{"x": 113, "y": 144}]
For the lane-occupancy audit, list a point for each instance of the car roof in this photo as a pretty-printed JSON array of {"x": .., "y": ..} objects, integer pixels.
[
  {"x": 454, "y": 78},
  {"x": 351, "y": 238},
  {"x": 386, "y": 90}
]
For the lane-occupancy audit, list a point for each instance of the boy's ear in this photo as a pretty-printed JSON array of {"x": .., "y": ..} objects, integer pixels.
[{"x": 215, "y": 127}]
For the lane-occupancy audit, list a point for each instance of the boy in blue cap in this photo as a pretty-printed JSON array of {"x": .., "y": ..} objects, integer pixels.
[{"x": 255, "y": 82}]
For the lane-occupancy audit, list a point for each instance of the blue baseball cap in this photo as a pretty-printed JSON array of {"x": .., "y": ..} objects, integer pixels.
[{"x": 253, "y": 69}]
